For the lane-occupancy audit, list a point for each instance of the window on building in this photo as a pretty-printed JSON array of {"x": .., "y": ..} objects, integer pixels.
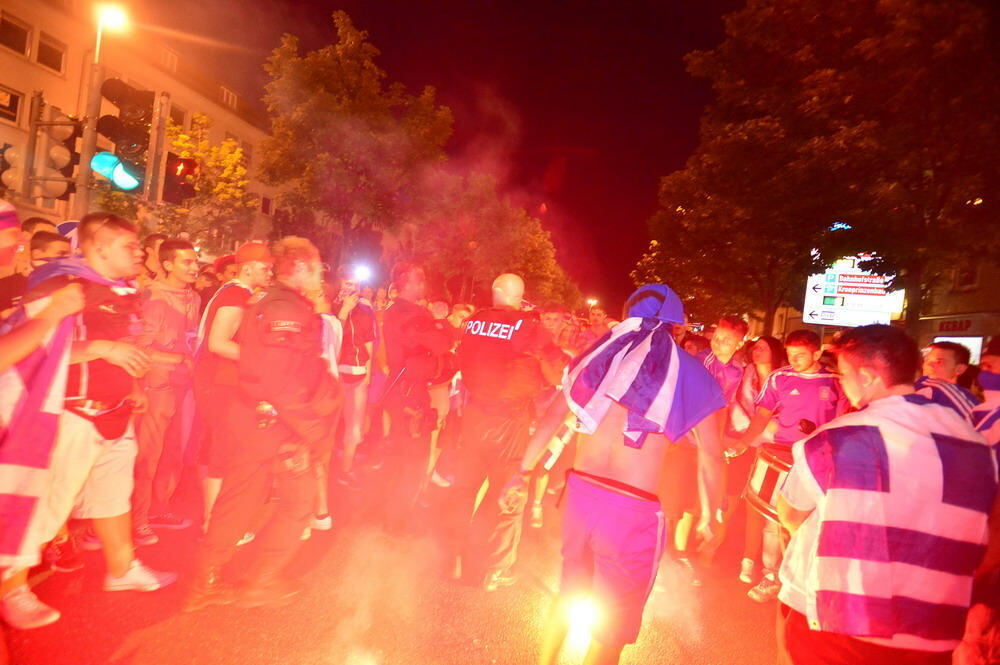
[
  {"x": 966, "y": 277},
  {"x": 51, "y": 52},
  {"x": 10, "y": 104},
  {"x": 265, "y": 205},
  {"x": 168, "y": 58},
  {"x": 178, "y": 116},
  {"x": 14, "y": 33},
  {"x": 229, "y": 97},
  {"x": 247, "y": 153}
]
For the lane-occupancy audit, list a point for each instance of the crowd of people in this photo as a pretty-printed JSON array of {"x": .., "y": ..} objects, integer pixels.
[{"x": 867, "y": 470}]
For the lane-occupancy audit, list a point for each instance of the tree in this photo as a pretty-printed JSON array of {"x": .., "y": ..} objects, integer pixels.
[
  {"x": 221, "y": 211},
  {"x": 347, "y": 144},
  {"x": 879, "y": 114},
  {"x": 472, "y": 234}
]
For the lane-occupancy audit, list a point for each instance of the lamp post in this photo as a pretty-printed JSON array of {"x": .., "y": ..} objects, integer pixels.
[{"x": 114, "y": 19}]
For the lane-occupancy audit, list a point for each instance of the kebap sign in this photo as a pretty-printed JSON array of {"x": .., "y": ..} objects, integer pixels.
[{"x": 846, "y": 295}]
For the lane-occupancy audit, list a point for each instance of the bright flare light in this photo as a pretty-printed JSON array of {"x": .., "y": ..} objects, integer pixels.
[
  {"x": 112, "y": 17},
  {"x": 583, "y": 615},
  {"x": 362, "y": 273},
  {"x": 592, "y": 302}
]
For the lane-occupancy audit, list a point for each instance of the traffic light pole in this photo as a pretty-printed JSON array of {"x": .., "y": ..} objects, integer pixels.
[
  {"x": 157, "y": 155},
  {"x": 81, "y": 201}
]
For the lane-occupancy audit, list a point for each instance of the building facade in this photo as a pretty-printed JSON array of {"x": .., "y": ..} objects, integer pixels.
[{"x": 48, "y": 46}]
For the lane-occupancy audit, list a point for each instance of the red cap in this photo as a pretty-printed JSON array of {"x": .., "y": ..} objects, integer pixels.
[
  {"x": 254, "y": 251},
  {"x": 221, "y": 263}
]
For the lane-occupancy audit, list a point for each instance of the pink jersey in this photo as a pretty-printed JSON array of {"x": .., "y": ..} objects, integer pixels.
[{"x": 798, "y": 400}]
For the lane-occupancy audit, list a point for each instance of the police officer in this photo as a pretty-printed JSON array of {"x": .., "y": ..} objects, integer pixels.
[
  {"x": 282, "y": 421},
  {"x": 507, "y": 359}
]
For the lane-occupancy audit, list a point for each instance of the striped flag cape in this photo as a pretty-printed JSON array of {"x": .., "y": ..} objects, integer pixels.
[
  {"x": 638, "y": 365},
  {"x": 31, "y": 400},
  {"x": 951, "y": 395}
]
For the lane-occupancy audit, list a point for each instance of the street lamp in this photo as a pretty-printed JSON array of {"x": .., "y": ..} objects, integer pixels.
[
  {"x": 592, "y": 302},
  {"x": 109, "y": 17},
  {"x": 115, "y": 19}
]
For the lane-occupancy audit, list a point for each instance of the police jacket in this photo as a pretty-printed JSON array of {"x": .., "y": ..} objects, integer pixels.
[
  {"x": 281, "y": 364},
  {"x": 501, "y": 355}
]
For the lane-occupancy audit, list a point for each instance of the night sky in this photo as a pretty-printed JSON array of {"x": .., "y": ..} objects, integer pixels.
[{"x": 582, "y": 106}]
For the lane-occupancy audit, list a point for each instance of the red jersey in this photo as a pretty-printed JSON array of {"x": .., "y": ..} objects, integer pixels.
[{"x": 211, "y": 366}]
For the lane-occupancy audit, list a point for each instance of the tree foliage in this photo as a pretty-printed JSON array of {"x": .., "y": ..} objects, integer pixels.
[
  {"x": 221, "y": 211},
  {"x": 346, "y": 142},
  {"x": 472, "y": 233},
  {"x": 879, "y": 114}
]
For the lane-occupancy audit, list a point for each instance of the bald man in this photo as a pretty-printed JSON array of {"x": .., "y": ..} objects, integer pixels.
[{"x": 507, "y": 360}]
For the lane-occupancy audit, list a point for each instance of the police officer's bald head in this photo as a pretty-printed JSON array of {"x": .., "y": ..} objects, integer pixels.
[{"x": 508, "y": 291}]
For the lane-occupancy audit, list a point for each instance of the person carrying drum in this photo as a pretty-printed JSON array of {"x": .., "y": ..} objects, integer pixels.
[
  {"x": 800, "y": 397},
  {"x": 633, "y": 395},
  {"x": 888, "y": 508}
]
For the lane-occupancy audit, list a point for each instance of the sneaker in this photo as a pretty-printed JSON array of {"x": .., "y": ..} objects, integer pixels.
[
  {"x": 63, "y": 557},
  {"x": 536, "y": 515},
  {"x": 144, "y": 535},
  {"x": 246, "y": 539},
  {"x": 169, "y": 521},
  {"x": 89, "y": 541},
  {"x": 766, "y": 590},
  {"x": 497, "y": 579},
  {"x": 324, "y": 523},
  {"x": 746, "y": 570},
  {"x": 690, "y": 571},
  {"x": 139, "y": 578},
  {"x": 21, "y": 609}
]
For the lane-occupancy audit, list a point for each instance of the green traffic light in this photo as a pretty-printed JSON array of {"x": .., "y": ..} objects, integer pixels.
[{"x": 114, "y": 169}]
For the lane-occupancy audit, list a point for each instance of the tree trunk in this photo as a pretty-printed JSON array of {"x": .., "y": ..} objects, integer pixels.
[{"x": 914, "y": 297}]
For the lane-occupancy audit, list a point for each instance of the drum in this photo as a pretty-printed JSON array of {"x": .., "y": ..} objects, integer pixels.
[{"x": 766, "y": 477}]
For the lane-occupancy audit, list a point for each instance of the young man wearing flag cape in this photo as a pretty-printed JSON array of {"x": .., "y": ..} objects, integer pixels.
[{"x": 634, "y": 393}]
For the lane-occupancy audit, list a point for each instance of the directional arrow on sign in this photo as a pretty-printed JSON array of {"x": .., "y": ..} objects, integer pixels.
[
  {"x": 816, "y": 288},
  {"x": 812, "y": 314}
]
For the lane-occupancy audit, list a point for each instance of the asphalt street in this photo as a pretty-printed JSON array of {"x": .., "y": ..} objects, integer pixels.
[{"x": 374, "y": 599}]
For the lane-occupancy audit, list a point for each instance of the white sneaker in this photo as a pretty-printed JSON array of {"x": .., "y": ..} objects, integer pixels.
[
  {"x": 746, "y": 570},
  {"x": 766, "y": 590},
  {"x": 246, "y": 539},
  {"x": 322, "y": 523},
  {"x": 139, "y": 578},
  {"x": 21, "y": 609}
]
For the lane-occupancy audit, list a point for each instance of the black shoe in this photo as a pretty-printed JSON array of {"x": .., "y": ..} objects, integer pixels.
[
  {"x": 497, "y": 579},
  {"x": 209, "y": 589}
]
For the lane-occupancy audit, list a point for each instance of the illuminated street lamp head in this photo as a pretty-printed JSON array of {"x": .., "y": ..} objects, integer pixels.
[
  {"x": 112, "y": 17},
  {"x": 591, "y": 302}
]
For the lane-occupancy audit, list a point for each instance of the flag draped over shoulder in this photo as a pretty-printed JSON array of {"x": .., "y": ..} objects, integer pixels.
[
  {"x": 638, "y": 365},
  {"x": 31, "y": 400}
]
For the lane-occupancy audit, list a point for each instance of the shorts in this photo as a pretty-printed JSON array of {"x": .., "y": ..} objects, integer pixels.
[
  {"x": 91, "y": 477},
  {"x": 612, "y": 545},
  {"x": 799, "y": 645}
]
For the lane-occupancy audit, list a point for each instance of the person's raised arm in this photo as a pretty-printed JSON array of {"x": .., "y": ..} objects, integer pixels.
[
  {"x": 20, "y": 342},
  {"x": 224, "y": 326}
]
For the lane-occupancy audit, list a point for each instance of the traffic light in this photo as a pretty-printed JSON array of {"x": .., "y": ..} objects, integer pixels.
[
  {"x": 11, "y": 167},
  {"x": 178, "y": 179},
  {"x": 61, "y": 155},
  {"x": 121, "y": 174},
  {"x": 129, "y": 130}
]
